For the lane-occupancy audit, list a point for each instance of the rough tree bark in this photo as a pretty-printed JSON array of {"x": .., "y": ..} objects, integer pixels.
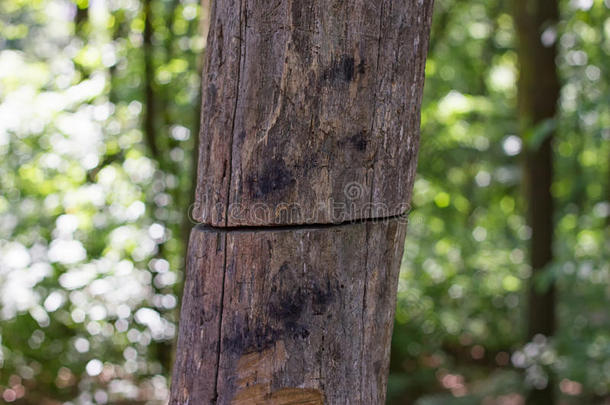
[
  {"x": 310, "y": 130},
  {"x": 538, "y": 95}
]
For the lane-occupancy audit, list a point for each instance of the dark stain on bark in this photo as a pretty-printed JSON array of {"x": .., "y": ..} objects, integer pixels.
[
  {"x": 283, "y": 268},
  {"x": 343, "y": 69},
  {"x": 288, "y": 307},
  {"x": 275, "y": 177},
  {"x": 322, "y": 298},
  {"x": 297, "y": 330},
  {"x": 262, "y": 337},
  {"x": 358, "y": 141},
  {"x": 212, "y": 92},
  {"x": 362, "y": 67},
  {"x": 250, "y": 340},
  {"x": 290, "y": 311},
  {"x": 291, "y": 306}
]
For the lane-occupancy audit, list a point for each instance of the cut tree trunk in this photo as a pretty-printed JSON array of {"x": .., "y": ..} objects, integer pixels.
[
  {"x": 538, "y": 95},
  {"x": 297, "y": 314},
  {"x": 310, "y": 130}
]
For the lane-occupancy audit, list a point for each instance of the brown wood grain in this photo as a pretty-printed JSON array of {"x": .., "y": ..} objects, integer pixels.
[
  {"x": 307, "y": 156},
  {"x": 305, "y": 99},
  {"x": 294, "y": 314}
]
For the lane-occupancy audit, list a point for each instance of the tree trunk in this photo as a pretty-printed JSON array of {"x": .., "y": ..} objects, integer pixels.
[
  {"x": 538, "y": 89},
  {"x": 310, "y": 130},
  {"x": 150, "y": 100},
  {"x": 80, "y": 18}
]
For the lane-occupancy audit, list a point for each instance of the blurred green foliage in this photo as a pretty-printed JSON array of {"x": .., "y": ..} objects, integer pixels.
[
  {"x": 460, "y": 328},
  {"x": 93, "y": 224}
]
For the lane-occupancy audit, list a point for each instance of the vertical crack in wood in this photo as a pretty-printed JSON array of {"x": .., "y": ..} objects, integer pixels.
[
  {"x": 371, "y": 199},
  {"x": 363, "y": 337},
  {"x": 374, "y": 115},
  {"x": 242, "y": 43},
  {"x": 222, "y": 296}
]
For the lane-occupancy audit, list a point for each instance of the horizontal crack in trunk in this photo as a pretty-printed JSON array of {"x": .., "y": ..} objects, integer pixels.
[{"x": 292, "y": 227}]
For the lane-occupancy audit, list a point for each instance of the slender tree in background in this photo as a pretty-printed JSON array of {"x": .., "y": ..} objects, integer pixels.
[
  {"x": 310, "y": 127},
  {"x": 80, "y": 17},
  {"x": 150, "y": 127},
  {"x": 538, "y": 94}
]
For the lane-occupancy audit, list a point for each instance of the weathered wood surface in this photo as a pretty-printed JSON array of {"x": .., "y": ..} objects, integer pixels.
[
  {"x": 310, "y": 115},
  {"x": 305, "y": 100},
  {"x": 295, "y": 316}
]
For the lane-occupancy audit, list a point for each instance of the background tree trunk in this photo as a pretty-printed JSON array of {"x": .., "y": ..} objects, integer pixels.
[
  {"x": 536, "y": 23},
  {"x": 80, "y": 17},
  {"x": 150, "y": 113},
  {"x": 310, "y": 129}
]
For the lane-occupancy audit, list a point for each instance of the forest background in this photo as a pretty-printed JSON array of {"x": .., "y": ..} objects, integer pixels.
[{"x": 99, "y": 116}]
